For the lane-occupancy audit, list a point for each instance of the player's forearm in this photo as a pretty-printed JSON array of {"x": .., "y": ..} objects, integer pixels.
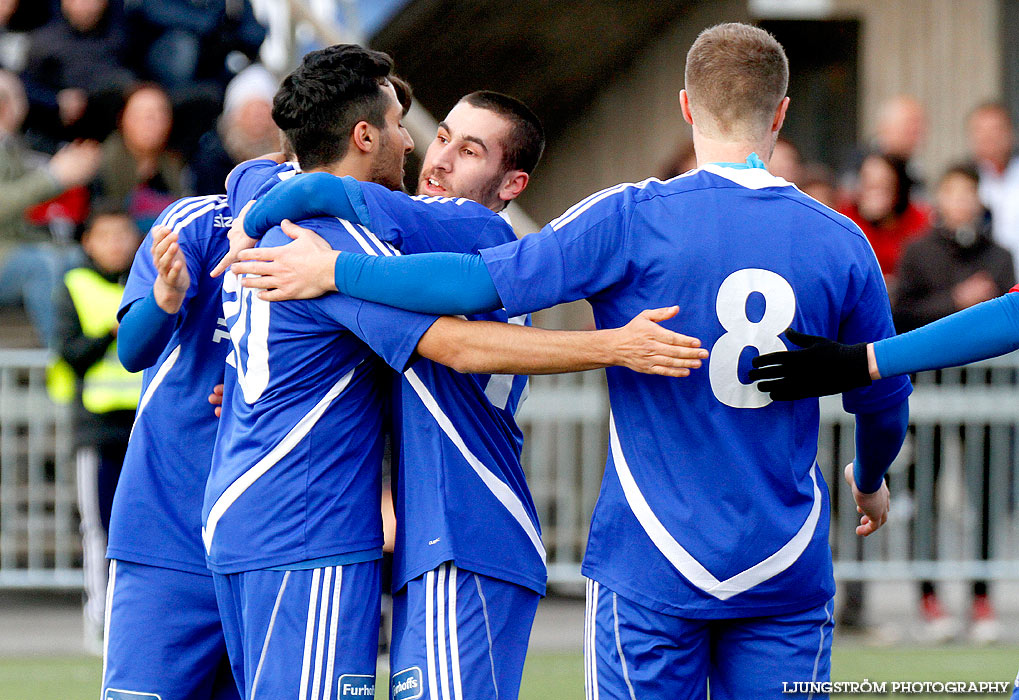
[
  {"x": 485, "y": 347},
  {"x": 879, "y": 438},
  {"x": 305, "y": 197},
  {"x": 143, "y": 334},
  {"x": 980, "y": 332},
  {"x": 430, "y": 283}
]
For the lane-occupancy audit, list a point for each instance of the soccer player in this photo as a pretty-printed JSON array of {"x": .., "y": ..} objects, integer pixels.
[
  {"x": 457, "y": 438},
  {"x": 291, "y": 517},
  {"x": 708, "y": 557},
  {"x": 163, "y": 632}
]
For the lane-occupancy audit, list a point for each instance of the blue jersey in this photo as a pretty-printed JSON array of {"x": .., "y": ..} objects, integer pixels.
[
  {"x": 250, "y": 178},
  {"x": 297, "y": 466},
  {"x": 460, "y": 490},
  {"x": 712, "y": 504},
  {"x": 158, "y": 503}
]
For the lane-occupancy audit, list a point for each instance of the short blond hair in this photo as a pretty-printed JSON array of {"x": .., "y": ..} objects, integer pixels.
[{"x": 736, "y": 77}]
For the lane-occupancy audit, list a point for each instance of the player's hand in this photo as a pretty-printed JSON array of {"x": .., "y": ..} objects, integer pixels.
[
  {"x": 872, "y": 507},
  {"x": 238, "y": 241},
  {"x": 644, "y": 346},
  {"x": 76, "y": 163},
  {"x": 216, "y": 399},
  {"x": 971, "y": 291},
  {"x": 303, "y": 269},
  {"x": 172, "y": 280},
  {"x": 822, "y": 367}
]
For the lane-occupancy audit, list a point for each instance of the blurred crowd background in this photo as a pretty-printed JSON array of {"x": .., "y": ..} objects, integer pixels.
[{"x": 111, "y": 107}]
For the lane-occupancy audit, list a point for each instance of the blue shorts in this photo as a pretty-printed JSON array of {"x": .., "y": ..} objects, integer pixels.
[
  {"x": 304, "y": 633},
  {"x": 163, "y": 636},
  {"x": 634, "y": 652},
  {"x": 457, "y": 634}
]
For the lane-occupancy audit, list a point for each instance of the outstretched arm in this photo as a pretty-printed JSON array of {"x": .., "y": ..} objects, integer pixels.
[
  {"x": 439, "y": 283},
  {"x": 825, "y": 367},
  {"x": 501, "y": 348}
]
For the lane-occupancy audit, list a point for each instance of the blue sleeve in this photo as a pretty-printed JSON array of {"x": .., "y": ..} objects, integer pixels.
[
  {"x": 246, "y": 179},
  {"x": 577, "y": 256},
  {"x": 977, "y": 333},
  {"x": 144, "y": 331},
  {"x": 879, "y": 438},
  {"x": 306, "y": 197},
  {"x": 438, "y": 283},
  {"x": 866, "y": 317},
  {"x": 433, "y": 224},
  {"x": 391, "y": 333}
]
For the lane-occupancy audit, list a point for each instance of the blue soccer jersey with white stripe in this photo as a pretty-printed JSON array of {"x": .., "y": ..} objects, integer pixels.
[
  {"x": 248, "y": 179},
  {"x": 297, "y": 466},
  {"x": 158, "y": 502},
  {"x": 711, "y": 503},
  {"x": 461, "y": 494}
]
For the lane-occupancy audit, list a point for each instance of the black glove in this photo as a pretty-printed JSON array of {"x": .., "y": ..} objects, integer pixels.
[{"x": 822, "y": 367}]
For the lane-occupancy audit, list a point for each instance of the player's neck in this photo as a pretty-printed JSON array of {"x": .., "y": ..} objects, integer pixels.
[
  {"x": 715, "y": 151},
  {"x": 357, "y": 168}
]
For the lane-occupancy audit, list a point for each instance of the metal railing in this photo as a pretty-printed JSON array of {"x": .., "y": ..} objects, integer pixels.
[
  {"x": 965, "y": 423},
  {"x": 39, "y": 542}
]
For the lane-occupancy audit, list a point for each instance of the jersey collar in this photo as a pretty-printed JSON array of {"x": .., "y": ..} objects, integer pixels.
[{"x": 753, "y": 161}]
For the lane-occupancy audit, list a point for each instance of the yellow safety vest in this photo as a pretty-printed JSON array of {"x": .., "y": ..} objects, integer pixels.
[{"x": 106, "y": 386}]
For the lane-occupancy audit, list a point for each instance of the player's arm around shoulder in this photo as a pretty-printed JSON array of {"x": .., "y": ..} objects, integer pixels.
[{"x": 643, "y": 345}]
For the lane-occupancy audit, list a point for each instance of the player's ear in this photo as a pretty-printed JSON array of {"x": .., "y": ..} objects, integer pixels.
[
  {"x": 364, "y": 137},
  {"x": 780, "y": 113},
  {"x": 513, "y": 184},
  {"x": 684, "y": 106}
]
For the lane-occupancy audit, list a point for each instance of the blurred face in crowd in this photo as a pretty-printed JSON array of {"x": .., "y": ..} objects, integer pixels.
[
  {"x": 990, "y": 136},
  {"x": 902, "y": 126},
  {"x": 83, "y": 15},
  {"x": 394, "y": 144},
  {"x": 958, "y": 201},
  {"x": 466, "y": 157},
  {"x": 111, "y": 241},
  {"x": 253, "y": 119},
  {"x": 877, "y": 189},
  {"x": 7, "y": 8},
  {"x": 146, "y": 121},
  {"x": 13, "y": 103}
]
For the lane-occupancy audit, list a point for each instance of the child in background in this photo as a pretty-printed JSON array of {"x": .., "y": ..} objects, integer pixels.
[{"x": 104, "y": 393}]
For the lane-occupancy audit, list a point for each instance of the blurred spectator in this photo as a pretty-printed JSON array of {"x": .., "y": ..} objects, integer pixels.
[
  {"x": 786, "y": 162},
  {"x": 955, "y": 266},
  {"x": 818, "y": 181},
  {"x": 104, "y": 393},
  {"x": 900, "y": 132},
  {"x": 76, "y": 74},
  {"x": 682, "y": 160},
  {"x": 992, "y": 144},
  {"x": 244, "y": 131},
  {"x": 17, "y": 19},
  {"x": 181, "y": 42},
  {"x": 138, "y": 174},
  {"x": 31, "y": 262},
  {"x": 884, "y": 211}
]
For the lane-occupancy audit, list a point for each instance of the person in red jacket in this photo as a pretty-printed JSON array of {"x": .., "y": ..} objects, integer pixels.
[{"x": 883, "y": 210}]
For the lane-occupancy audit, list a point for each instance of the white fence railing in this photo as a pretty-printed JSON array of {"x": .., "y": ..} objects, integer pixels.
[{"x": 958, "y": 523}]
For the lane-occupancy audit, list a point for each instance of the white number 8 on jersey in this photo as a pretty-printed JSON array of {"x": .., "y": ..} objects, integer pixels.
[{"x": 741, "y": 332}]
